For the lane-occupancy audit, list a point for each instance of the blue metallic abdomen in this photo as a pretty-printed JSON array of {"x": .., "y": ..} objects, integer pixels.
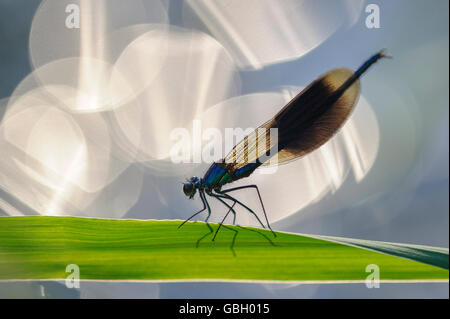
[{"x": 218, "y": 174}]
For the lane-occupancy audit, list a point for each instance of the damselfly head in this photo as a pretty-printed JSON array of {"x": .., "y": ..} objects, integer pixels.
[{"x": 189, "y": 188}]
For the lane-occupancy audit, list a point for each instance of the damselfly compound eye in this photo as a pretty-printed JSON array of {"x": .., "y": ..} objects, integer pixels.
[{"x": 189, "y": 189}]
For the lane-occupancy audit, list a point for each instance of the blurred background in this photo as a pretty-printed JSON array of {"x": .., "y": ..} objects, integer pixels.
[{"x": 87, "y": 114}]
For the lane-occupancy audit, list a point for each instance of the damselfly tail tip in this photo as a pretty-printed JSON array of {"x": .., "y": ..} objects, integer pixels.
[
  {"x": 373, "y": 59},
  {"x": 383, "y": 54}
]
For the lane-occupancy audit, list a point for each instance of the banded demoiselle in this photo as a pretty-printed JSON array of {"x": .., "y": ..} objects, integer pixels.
[{"x": 308, "y": 121}]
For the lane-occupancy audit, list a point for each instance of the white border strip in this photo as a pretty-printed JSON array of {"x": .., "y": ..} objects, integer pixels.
[{"x": 394, "y": 281}]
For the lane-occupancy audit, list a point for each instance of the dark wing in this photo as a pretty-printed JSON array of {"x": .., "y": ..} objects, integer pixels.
[
  {"x": 252, "y": 147},
  {"x": 308, "y": 121}
]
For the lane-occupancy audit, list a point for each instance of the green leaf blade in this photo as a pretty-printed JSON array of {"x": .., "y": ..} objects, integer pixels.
[{"x": 105, "y": 249}]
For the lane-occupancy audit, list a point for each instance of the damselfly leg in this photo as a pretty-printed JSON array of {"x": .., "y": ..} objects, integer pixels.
[
  {"x": 223, "y": 220},
  {"x": 201, "y": 210},
  {"x": 231, "y": 209},
  {"x": 224, "y": 192},
  {"x": 202, "y": 195}
]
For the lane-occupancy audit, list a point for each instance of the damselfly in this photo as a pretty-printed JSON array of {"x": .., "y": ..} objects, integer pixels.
[{"x": 308, "y": 121}]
